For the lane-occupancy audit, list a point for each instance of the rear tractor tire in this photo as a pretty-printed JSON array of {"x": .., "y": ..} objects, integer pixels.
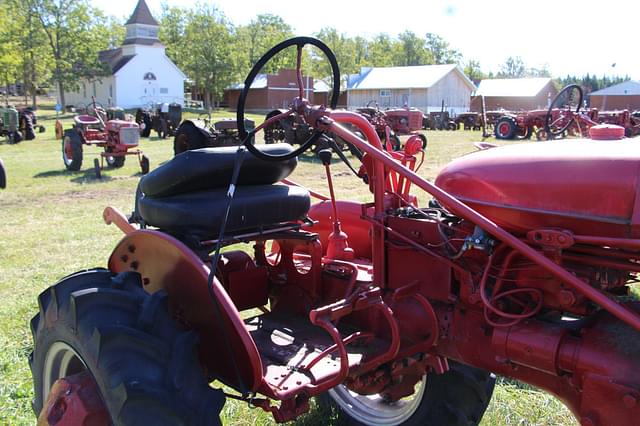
[
  {"x": 144, "y": 366},
  {"x": 458, "y": 397},
  {"x": 506, "y": 128},
  {"x": 72, "y": 150},
  {"x": 188, "y": 137}
]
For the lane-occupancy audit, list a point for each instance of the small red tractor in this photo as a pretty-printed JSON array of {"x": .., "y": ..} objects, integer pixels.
[
  {"x": 398, "y": 121},
  {"x": 392, "y": 312},
  {"x": 520, "y": 125},
  {"x": 118, "y": 138}
]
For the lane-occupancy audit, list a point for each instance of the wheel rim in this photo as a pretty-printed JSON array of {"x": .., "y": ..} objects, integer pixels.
[
  {"x": 61, "y": 361},
  {"x": 67, "y": 152},
  {"x": 503, "y": 129},
  {"x": 373, "y": 410}
]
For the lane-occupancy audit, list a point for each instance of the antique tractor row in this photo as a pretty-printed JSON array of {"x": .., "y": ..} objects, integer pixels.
[
  {"x": 563, "y": 117},
  {"x": 118, "y": 138},
  {"x": 389, "y": 125},
  {"x": 396, "y": 312}
]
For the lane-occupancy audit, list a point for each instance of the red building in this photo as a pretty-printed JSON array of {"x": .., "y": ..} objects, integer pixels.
[
  {"x": 273, "y": 91},
  {"x": 270, "y": 91},
  {"x": 514, "y": 94}
]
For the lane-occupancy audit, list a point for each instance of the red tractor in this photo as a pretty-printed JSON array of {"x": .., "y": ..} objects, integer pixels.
[
  {"x": 118, "y": 138},
  {"x": 520, "y": 125},
  {"x": 388, "y": 124},
  {"x": 630, "y": 121},
  {"x": 398, "y": 121},
  {"x": 396, "y": 313}
]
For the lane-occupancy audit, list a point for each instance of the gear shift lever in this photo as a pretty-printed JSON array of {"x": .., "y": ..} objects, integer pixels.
[{"x": 338, "y": 242}]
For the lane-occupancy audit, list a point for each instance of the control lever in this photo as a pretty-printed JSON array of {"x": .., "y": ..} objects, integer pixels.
[{"x": 338, "y": 241}]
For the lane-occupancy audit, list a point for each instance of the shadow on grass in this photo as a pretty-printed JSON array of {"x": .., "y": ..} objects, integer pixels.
[{"x": 83, "y": 177}]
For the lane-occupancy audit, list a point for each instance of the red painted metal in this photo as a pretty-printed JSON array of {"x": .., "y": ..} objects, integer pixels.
[
  {"x": 560, "y": 226},
  {"x": 74, "y": 401},
  {"x": 532, "y": 186}
]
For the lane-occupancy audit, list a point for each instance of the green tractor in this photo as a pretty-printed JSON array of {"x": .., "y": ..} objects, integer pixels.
[{"x": 9, "y": 124}]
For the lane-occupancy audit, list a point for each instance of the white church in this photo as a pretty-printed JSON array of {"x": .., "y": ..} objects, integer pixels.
[{"x": 141, "y": 72}]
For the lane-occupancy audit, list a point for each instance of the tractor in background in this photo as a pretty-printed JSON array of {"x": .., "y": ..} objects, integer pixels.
[
  {"x": 9, "y": 124},
  {"x": 398, "y": 121},
  {"x": 118, "y": 138},
  {"x": 205, "y": 132},
  {"x": 28, "y": 123}
]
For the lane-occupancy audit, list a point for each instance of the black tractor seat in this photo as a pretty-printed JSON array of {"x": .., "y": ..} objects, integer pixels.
[{"x": 188, "y": 194}]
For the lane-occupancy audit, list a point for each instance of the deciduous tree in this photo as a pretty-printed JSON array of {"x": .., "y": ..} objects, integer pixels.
[{"x": 440, "y": 50}]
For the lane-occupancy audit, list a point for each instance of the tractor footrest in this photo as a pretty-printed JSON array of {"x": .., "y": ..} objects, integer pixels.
[{"x": 287, "y": 344}]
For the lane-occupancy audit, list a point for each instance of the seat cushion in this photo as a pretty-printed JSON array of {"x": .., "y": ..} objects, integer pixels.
[
  {"x": 200, "y": 213},
  {"x": 211, "y": 168}
]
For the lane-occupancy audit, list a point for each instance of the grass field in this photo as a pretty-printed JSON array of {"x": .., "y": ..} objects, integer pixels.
[{"x": 51, "y": 226}]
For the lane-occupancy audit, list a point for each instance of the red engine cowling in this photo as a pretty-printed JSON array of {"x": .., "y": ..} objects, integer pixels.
[{"x": 588, "y": 187}]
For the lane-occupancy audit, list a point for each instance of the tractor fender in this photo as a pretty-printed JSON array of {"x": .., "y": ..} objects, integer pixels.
[{"x": 165, "y": 263}]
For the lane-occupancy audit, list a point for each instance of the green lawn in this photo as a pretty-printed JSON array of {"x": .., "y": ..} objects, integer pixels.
[{"x": 52, "y": 226}]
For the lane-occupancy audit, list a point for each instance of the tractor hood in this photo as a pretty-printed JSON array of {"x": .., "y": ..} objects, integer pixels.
[{"x": 588, "y": 187}]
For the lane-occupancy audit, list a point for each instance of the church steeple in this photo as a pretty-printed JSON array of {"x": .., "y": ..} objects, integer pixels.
[{"x": 142, "y": 28}]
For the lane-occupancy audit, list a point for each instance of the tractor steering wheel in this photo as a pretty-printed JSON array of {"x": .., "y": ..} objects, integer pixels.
[
  {"x": 299, "y": 42},
  {"x": 557, "y": 126}
]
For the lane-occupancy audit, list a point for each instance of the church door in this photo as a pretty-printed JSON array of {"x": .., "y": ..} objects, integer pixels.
[{"x": 149, "y": 88}]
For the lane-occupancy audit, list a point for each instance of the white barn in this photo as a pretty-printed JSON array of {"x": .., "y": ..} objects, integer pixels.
[
  {"x": 140, "y": 71},
  {"x": 425, "y": 87}
]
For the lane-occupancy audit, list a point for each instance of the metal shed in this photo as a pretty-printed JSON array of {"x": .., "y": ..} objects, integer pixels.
[
  {"x": 617, "y": 97},
  {"x": 425, "y": 87}
]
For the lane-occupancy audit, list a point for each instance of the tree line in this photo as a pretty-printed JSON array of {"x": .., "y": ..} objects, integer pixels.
[{"x": 55, "y": 43}]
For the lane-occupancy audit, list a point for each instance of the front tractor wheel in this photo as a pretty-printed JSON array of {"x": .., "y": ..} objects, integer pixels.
[
  {"x": 456, "y": 398},
  {"x": 72, "y": 150},
  {"x": 144, "y": 367},
  {"x": 114, "y": 161}
]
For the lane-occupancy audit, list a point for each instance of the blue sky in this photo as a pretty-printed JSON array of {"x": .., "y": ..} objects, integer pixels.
[{"x": 571, "y": 37}]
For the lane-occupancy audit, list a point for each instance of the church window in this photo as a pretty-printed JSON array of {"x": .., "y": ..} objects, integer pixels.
[
  {"x": 149, "y": 76},
  {"x": 164, "y": 90}
]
